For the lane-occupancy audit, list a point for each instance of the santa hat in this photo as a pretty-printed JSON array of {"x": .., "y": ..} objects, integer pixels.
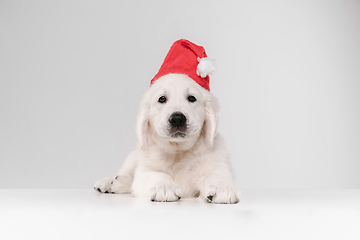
[{"x": 185, "y": 57}]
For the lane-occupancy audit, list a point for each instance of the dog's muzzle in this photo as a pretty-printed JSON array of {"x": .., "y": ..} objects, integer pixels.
[{"x": 178, "y": 126}]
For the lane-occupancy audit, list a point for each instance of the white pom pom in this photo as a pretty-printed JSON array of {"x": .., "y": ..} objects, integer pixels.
[{"x": 205, "y": 67}]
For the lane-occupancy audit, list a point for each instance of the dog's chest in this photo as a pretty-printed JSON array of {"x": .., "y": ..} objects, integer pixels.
[
  {"x": 179, "y": 163},
  {"x": 184, "y": 171}
]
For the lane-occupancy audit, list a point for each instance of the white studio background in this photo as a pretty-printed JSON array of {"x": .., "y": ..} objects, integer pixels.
[{"x": 288, "y": 80}]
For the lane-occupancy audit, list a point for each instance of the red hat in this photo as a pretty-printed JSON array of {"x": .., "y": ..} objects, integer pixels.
[{"x": 185, "y": 57}]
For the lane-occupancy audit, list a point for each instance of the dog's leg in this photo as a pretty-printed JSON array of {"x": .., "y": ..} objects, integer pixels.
[
  {"x": 217, "y": 184},
  {"x": 122, "y": 182},
  {"x": 218, "y": 187},
  {"x": 156, "y": 186}
]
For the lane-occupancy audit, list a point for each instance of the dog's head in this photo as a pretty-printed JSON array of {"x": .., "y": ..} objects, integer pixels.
[{"x": 176, "y": 109}]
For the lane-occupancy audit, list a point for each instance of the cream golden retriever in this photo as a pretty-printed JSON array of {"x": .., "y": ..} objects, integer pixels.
[{"x": 180, "y": 154}]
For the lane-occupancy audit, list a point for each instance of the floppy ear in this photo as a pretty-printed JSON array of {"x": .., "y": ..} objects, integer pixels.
[
  {"x": 211, "y": 118},
  {"x": 142, "y": 123}
]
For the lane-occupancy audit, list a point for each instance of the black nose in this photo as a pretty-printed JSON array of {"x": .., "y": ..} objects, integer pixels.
[{"x": 177, "y": 120}]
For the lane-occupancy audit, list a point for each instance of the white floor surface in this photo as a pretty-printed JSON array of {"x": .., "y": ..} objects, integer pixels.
[{"x": 261, "y": 214}]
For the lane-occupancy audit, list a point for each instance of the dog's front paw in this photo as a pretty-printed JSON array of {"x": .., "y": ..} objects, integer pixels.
[
  {"x": 121, "y": 184},
  {"x": 222, "y": 194},
  {"x": 165, "y": 192},
  {"x": 104, "y": 185}
]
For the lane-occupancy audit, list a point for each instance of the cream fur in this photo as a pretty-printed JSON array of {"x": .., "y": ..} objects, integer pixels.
[{"x": 163, "y": 168}]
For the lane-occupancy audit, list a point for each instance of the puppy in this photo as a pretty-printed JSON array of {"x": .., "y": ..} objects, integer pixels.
[{"x": 180, "y": 154}]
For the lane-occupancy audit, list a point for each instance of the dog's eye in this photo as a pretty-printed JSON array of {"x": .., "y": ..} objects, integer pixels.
[
  {"x": 192, "y": 99},
  {"x": 162, "y": 99}
]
